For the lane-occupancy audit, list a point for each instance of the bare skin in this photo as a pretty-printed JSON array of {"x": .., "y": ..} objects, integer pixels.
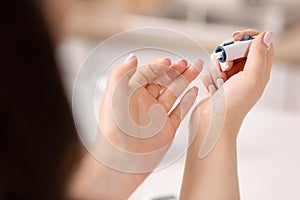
[
  {"x": 94, "y": 180},
  {"x": 215, "y": 176}
]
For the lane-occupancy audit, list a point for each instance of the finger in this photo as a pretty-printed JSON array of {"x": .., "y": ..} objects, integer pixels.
[
  {"x": 173, "y": 72},
  {"x": 128, "y": 68},
  {"x": 185, "y": 104},
  {"x": 208, "y": 84},
  {"x": 238, "y": 66},
  {"x": 238, "y": 35},
  {"x": 154, "y": 89},
  {"x": 227, "y": 65},
  {"x": 154, "y": 69},
  {"x": 164, "y": 79},
  {"x": 163, "y": 61},
  {"x": 256, "y": 61},
  {"x": 146, "y": 74},
  {"x": 216, "y": 73},
  {"x": 207, "y": 79},
  {"x": 175, "y": 89}
]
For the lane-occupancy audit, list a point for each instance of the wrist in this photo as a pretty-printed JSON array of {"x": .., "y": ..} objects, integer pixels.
[{"x": 218, "y": 171}]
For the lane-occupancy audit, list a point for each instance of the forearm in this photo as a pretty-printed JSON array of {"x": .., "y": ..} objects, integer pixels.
[
  {"x": 93, "y": 180},
  {"x": 213, "y": 177}
]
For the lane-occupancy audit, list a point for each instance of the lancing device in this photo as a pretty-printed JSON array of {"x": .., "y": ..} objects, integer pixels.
[{"x": 232, "y": 50}]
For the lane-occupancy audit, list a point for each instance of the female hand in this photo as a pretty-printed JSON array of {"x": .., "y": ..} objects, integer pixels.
[
  {"x": 135, "y": 114},
  {"x": 132, "y": 93},
  {"x": 238, "y": 88},
  {"x": 211, "y": 163}
]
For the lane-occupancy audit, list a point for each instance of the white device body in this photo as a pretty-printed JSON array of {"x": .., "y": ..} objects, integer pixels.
[
  {"x": 233, "y": 50},
  {"x": 237, "y": 50}
]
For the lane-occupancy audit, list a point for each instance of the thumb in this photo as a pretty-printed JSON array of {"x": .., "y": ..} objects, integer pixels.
[
  {"x": 257, "y": 57},
  {"x": 128, "y": 68}
]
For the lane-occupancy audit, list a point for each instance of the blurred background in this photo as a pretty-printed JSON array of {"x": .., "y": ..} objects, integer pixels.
[{"x": 269, "y": 149}]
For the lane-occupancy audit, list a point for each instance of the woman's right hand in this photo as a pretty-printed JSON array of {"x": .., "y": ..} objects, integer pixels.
[
  {"x": 241, "y": 86},
  {"x": 211, "y": 162}
]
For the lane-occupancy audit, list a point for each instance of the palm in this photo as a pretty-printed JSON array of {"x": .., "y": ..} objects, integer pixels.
[{"x": 140, "y": 121}]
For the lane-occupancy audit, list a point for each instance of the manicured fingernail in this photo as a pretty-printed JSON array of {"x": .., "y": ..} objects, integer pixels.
[
  {"x": 237, "y": 35},
  {"x": 196, "y": 89},
  {"x": 194, "y": 92},
  {"x": 224, "y": 66},
  {"x": 169, "y": 60},
  {"x": 183, "y": 60},
  {"x": 129, "y": 57},
  {"x": 198, "y": 65},
  {"x": 268, "y": 37},
  {"x": 219, "y": 82},
  {"x": 212, "y": 89}
]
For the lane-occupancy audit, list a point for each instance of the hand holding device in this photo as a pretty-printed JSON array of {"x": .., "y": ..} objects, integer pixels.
[{"x": 232, "y": 50}]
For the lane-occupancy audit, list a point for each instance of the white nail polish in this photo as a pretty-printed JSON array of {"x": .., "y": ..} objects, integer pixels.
[
  {"x": 129, "y": 57},
  {"x": 212, "y": 89},
  {"x": 219, "y": 82},
  {"x": 224, "y": 66},
  {"x": 268, "y": 37}
]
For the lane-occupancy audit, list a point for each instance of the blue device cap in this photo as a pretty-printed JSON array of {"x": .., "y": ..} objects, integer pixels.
[{"x": 221, "y": 49}]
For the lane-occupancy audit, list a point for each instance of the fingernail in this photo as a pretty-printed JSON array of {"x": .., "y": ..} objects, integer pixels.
[
  {"x": 268, "y": 37},
  {"x": 129, "y": 57},
  {"x": 198, "y": 65},
  {"x": 219, "y": 82},
  {"x": 212, "y": 89},
  {"x": 224, "y": 66},
  {"x": 169, "y": 60},
  {"x": 195, "y": 91},
  {"x": 237, "y": 35},
  {"x": 183, "y": 60}
]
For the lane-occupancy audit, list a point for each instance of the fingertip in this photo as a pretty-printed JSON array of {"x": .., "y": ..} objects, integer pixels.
[
  {"x": 183, "y": 62},
  {"x": 258, "y": 45},
  {"x": 198, "y": 65},
  {"x": 237, "y": 35},
  {"x": 268, "y": 37},
  {"x": 262, "y": 43},
  {"x": 179, "y": 66},
  {"x": 195, "y": 90},
  {"x": 130, "y": 63},
  {"x": 192, "y": 93},
  {"x": 257, "y": 57},
  {"x": 129, "y": 58},
  {"x": 134, "y": 61},
  {"x": 162, "y": 61},
  {"x": 168, "y": 60}
]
